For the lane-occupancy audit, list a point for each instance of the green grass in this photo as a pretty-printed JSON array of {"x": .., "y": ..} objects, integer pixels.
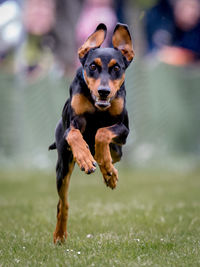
[{"x": 151, "y": 219}]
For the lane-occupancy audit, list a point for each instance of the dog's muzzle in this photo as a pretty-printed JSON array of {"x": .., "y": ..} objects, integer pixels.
[{"x": 103, "y": 101}]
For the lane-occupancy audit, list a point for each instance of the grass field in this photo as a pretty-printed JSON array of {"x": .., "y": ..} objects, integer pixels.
[{"x": 151, "y": 219}]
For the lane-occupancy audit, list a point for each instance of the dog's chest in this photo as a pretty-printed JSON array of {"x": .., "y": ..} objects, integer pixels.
[
  {"x": 93, "y": 123},
  {"x": 100, "y": 119}
]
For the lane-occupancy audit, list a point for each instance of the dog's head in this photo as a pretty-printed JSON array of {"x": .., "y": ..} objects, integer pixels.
[{"x": 104, "y": 68}]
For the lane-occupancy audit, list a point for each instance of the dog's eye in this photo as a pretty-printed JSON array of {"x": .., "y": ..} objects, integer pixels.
[
  {"x": 116, "y": 68},
  {"x": 93, "y": 67}
]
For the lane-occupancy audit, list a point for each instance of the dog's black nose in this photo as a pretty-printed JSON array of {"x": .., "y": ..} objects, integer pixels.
[{"x": 103, "y": 91}]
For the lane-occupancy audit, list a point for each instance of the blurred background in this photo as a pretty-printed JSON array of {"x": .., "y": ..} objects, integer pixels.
[{"x": 38, "y": 58}]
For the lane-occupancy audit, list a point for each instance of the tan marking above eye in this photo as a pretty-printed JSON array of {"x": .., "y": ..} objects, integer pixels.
[
  {"x": 81, "y": 104},
  {"x": 98, "y": 61},
  {"x": 112, "y": 63},
  {"x": 117, "y": 106}
]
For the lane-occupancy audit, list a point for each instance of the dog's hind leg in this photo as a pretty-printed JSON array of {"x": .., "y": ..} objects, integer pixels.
[
  {"x": 63, "y": 179},
  {"x": 64, "y": 168}
]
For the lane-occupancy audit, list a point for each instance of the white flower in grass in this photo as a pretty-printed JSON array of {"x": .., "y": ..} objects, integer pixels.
[
  {"x": 78, "y": 252},
  {"x": 89, "y": 236}
]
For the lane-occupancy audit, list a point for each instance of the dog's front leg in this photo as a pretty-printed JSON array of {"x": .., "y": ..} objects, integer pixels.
[
  {"x": 114, "y": 134},
  {"x": 80, "y": 150}
]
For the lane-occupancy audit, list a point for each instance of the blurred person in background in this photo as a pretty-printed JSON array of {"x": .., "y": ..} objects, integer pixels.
[
  {"x": 172, "y": 30},
  {"x": 51, "y": 31},
  {"x": 67, "y": 14},
  {"x": 50, "y": 27},
  {"x": 93, "y": 13},
  {"x": 39, "y": 19},
  {"x": 98, "y": 11},
  {"x": 11, "y": 33}
]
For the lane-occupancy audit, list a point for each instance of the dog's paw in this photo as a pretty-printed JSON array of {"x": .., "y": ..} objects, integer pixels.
[
  {"x": 81, "y": 151},
  {"x": 112, "y": 179},
  {"x": 110, "y": 175},
  {"x": 85, "y": 161},
  {"x": 59, "y": 238}
]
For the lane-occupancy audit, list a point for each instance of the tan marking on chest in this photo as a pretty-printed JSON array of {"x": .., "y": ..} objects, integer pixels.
[
  {"x": 117, "y": 106},
  {"x": 81, "y": 104}
]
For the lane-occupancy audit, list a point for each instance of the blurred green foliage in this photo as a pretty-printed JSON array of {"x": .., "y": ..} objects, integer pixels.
[{"x": 144, "y": 3}]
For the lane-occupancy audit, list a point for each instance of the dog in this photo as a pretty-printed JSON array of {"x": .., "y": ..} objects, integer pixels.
[{"x": 94, "y": 123}]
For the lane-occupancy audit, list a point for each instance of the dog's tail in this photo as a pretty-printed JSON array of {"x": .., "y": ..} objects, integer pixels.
[{"x": 53, "y": 146}]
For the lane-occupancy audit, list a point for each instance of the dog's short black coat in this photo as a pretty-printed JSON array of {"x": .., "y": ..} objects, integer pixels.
[{"x": 94, "y": 123}]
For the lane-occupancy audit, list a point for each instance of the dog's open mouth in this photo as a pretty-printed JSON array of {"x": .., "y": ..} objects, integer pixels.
[{"x": 102, "y": 103}]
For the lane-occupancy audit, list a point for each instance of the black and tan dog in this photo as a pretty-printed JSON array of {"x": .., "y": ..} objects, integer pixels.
[{"x": 94, "y": 123}]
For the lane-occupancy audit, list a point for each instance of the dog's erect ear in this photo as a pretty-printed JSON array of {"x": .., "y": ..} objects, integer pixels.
[
  {"x": 94, "y": 40},
  {"x": 121, "y": 40}
]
